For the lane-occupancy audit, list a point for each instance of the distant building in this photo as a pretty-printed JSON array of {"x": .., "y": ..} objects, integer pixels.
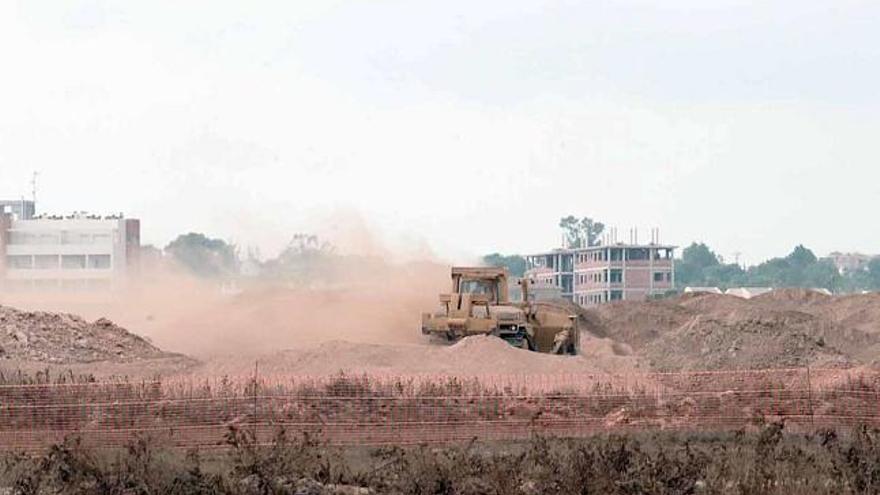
[
  {"x": 18, "y": 209},
  {"x": 599, "y": 274},
  {"x": 747, "y": 292},
  {"x": 849, "y": 262},
  {"x": 73, "y": 252},
  {"x": 703, "y": 290}
]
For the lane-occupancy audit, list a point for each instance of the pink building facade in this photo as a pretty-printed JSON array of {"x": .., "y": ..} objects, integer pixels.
[{"x": 599, "y": 274}]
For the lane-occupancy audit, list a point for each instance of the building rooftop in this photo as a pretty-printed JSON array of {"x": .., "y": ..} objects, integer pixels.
[
  {"x": 78, "y": 216},
  {"x": 603, "y": 246}
]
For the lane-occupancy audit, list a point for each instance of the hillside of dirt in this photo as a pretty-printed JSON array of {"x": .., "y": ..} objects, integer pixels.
[
  {"x": 784, "y": 328},
  {"x": 61, "y": 338}
]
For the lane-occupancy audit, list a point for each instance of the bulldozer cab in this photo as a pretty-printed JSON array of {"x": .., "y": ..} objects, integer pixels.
[
  {"x": 479, "y": 304},
  {"x": 481, "y": 283}
]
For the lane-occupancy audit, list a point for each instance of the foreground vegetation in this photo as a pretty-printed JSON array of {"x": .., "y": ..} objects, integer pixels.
[{"x": 765, "y": 461}]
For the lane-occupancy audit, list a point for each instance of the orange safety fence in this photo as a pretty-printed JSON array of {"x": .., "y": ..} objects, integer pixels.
[{"x": 389, "y": 409}]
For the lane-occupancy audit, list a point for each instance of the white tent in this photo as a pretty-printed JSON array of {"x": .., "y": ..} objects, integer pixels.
[
  {"x": 747, "y": 292},
  {"x": 702, "y": 290}
]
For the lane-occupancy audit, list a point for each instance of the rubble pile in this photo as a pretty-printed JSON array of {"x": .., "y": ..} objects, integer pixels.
[{"x": 64, "y": 339}]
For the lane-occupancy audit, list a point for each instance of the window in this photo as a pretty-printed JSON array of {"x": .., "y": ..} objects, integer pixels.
[
  {"x": 99, "y": 284},
  {"x": 616, "y": 254},
  {"x": 102, "y": 239},
  {"x": 639, "y": 254},
  {"x": 486, "y": 287},
  {"x": 19, "y": 238},
  {"x": 99, "y": 261},
  {"x": 46, "y": 262},
  {"x": 659, "y": 276},
  {"x": 616, "y": 276},
  {"x": 20, "y": 262},
  {"x": 616, "y": 295},
  {"x": 73, "y": 261},
  {"x": 74, "y": 284},
  {"x": 32, "y": 238},
  {"x": 45, "y": 284}
]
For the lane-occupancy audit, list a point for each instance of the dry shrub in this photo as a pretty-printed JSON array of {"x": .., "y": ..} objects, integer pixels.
[{"x": 767, "y": 461}]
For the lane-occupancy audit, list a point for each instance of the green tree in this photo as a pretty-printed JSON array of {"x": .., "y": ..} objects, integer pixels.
[
  {"x": 581, "y": 232},
  {"x": 203, "y": 256},
  {"x": 873, "y": 274},
  {"x": 515, "y": 263},
  {"x": 723, "y": 275},
  {"x": 304, "y": 260},
  {"x": 822, "y": 274},
  {"x": 775, "y": 272},
  {"x": 801, "y": 257},
  {"x": 700, "y": 256},
  {"x": 691, "y": 269}
]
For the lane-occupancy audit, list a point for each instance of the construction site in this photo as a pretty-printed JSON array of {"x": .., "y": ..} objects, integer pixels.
[
  {"x": 105, "y": 347},
  {"x": 348, "y": 363},
  {"x": 414, "y": 248},
  {"x": 350, "y": 371}
]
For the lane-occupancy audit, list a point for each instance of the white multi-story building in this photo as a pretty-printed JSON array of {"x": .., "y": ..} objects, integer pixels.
[{"x": 73, "y": 252}]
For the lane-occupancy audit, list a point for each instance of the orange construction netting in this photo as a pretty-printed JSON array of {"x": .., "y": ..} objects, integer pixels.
[{"x": 385, "y": 409}]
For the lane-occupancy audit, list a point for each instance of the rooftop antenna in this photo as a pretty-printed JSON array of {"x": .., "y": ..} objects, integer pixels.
[{"x": 34, "y": 189}]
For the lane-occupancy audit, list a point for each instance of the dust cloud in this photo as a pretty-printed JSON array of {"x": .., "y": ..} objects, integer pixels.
[{"x": 372, "y": 299}]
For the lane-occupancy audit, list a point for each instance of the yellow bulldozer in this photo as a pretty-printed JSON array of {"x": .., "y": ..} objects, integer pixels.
[{"x": 479, "y": 304}]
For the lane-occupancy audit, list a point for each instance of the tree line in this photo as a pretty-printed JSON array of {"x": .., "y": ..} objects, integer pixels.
[
  {"x": 307, "y": 258},
  {"x": 699, "y": 265}
]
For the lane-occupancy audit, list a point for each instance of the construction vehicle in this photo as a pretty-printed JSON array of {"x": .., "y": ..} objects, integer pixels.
[{"x": 479, "y": 304}]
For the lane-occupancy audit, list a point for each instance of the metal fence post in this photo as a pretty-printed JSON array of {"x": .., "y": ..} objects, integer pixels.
[
  {"x": 256, "y": 377},
  {"x": 810, "y": 398}
]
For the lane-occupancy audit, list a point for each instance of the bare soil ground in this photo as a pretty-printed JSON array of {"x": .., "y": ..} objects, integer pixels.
[
  {"x": 326, "y": 331},
  {"x": 472, "y": 356}
]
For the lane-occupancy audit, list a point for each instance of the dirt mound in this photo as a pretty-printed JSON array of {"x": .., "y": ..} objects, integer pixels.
[
  {"x": 780, "y": 340},
  {"x": 795, "y": 296},
  {"x": 63, "y": 339},
  {"x": 785, "y": 328},
  {"x": 637, "y": 323},
  {"x": 860, "y": 311}
]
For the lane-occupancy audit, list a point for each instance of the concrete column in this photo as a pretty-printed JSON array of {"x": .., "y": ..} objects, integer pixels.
[
  {"x": 5, "y": 225},
  {"x": 672, "y": 268}
]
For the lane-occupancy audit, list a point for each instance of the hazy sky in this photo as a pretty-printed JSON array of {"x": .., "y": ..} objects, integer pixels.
[{"x": 465, "y": 126}]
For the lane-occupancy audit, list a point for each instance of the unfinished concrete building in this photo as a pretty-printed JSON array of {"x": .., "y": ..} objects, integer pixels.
[{"x": 613, "y": 272}]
